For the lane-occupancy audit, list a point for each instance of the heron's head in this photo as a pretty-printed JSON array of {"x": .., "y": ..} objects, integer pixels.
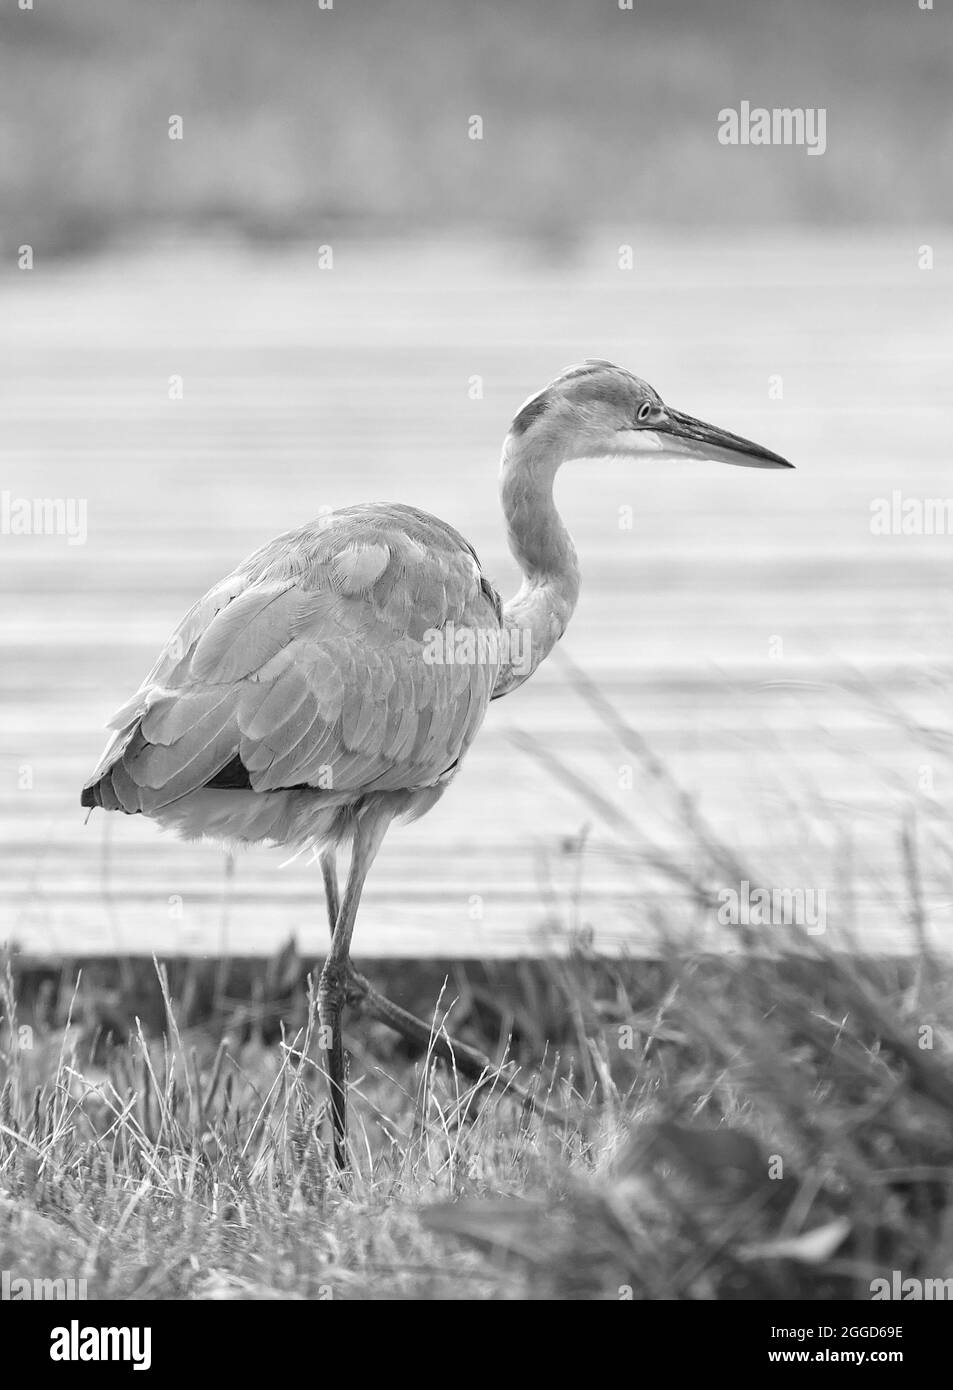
[{"x": 597, "y": 409}]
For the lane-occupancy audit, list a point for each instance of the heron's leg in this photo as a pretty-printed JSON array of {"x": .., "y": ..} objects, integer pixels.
[
  {"x": 468, "y": 1061},
  {"x": 329, "y": 872},
  {"x": 332, "y": 986}
]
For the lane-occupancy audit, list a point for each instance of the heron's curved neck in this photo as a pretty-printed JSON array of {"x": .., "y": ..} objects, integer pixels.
[{"x": 539, "y": 612}]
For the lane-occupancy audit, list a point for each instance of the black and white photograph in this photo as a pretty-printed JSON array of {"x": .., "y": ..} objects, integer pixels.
[{"x": 476, "y": 754}]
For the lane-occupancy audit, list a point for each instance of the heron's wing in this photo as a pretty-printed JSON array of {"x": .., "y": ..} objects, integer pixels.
[{"x": 314, "y": 665}]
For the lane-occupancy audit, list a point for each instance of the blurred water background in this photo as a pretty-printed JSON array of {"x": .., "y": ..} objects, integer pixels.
[{"x": 789, "y": 666}]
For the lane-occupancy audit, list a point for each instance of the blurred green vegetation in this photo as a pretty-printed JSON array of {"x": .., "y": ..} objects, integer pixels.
[{"x": 300, "y": 121}]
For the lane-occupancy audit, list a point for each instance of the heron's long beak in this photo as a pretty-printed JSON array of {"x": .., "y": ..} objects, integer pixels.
[{"x": 683, "y": 435}]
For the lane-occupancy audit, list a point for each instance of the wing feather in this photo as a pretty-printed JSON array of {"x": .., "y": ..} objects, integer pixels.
[
  {"x": 192, "y": 756},
  {"x": 193, "y": 774},
  {"x": 286, "y": 743},
  {"x": 308, "y": 665},
  {"x": 284, "y": 698},
  {"x": 246, "y": 633},
  {"x": 319, "y": 765},
  {"x": 170, "y": 717}
]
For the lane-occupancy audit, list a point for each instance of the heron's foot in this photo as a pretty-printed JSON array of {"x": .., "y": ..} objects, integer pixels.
[
  {"x": 362, "y": 994},
  {"x": 357, "y": 987},
  {"x": 332, "y": 996},
  {"x": 467, "y": 1060}
]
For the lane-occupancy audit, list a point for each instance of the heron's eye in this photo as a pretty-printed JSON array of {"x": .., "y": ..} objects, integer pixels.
[{"x": 645, "y": 410}]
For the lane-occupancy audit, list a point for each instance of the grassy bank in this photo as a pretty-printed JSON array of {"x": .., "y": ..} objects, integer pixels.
[
  {"x": 765, "y": 1118},
  {"x": 747, "y": 1127}
]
